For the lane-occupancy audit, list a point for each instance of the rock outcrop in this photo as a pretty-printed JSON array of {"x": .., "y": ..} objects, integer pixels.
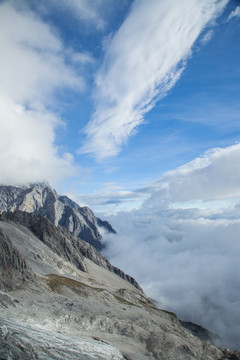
[
  {"x": 14, "y": 270},
  {"x": 41, "y": 199}
]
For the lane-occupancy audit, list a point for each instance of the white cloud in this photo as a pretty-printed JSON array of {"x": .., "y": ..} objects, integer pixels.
[
  {"x": 187, "y": 262},
  {"x": 235, "y": 13},
  {"x": 207, "y": 37},
  {"x": 85, "y": 10},
  {"x": 111, "y": 197},
  {"x": 82, "y": 58},
  {"x": 32, "y": 68},
  {"x": 187, "y": 259},
  {"x": 93, "y": 14},
  {"x": 140, "y": 66},
  {"x": 214, "y": 176},
  {"x": 32, "y": 62},
  {"x": 209, "y": 181},
  {"x": 27, "y": 151}
]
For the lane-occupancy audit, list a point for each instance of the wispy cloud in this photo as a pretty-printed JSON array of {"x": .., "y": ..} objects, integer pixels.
[
  {"x": 82, "y": 58},
  {"x": 91, "y": 15},
  {"x": 187, "y": 259},
  {"x": 143, "y": 61},
  {"x": 207, "y": 37},
  {"x": 234, "y": 14},
  {"x": 32, "y": 68},
  {"x": 112, "y": 197},
  {"x": 88, "y": 11}
]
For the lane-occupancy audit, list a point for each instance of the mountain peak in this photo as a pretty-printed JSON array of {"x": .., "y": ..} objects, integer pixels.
[{"x": 41, "y": 199}]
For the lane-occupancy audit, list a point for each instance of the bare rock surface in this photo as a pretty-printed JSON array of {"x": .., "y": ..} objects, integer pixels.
[
  {"x": 201, "y": 332},
  {"x": 41, "y": 199},
  {"x": 14, "y": 269},
  {"x": 63, "y": 243},
  {"x": 29, "y": 343},
  {"x": 66, "y": 311}
]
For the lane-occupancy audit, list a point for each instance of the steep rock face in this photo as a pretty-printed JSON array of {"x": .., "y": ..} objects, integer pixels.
[
  {"x": 42, "y": 200},
  {"x": 14, "y": 270},
  {"x": 63, "y": 243}
]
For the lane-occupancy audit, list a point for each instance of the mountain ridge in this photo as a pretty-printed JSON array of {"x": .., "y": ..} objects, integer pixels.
[
  {"x": 41, "y": 199},
  {"x": 61, "y": 299},
  {"x": 63, "y": 243}
]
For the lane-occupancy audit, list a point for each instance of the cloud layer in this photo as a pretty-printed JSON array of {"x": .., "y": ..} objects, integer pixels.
[
  {"x": 213, "y": 176},
  {"x": 32, "y": 68},
  {"x": 187, "y": 259},
  {"x": 143, "y": 60}
]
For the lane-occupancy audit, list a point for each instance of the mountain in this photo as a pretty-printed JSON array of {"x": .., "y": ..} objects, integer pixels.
[
  {"x": 14, "y": 269},
  {"x": 201, "y": 332},
  {"x": 63, "y": 243},
  {"x": 61, "y": 299},
  {"x": 41, "y": 199}
]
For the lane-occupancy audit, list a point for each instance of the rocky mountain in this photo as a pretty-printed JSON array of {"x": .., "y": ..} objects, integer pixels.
[
  {"x": 201, "y": 332},
  {"x": 63, "y": 243},
  {"x": 14, "y": 270},
  {"x": 41, "y": 199},
  {"x": 61, "y": 299}
]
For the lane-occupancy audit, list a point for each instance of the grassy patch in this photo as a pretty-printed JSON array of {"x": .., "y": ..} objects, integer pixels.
[
  {"x": 148, "y": 303},
  {"x": 55, "y": 282},
  {"x": 123, "y": 301}
]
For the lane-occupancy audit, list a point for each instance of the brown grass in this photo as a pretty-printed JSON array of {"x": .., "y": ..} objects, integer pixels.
[{"x": 55, "y": 282}]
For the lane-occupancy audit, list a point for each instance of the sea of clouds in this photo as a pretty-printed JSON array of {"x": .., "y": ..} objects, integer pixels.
[{"x": 185, "y": 253}]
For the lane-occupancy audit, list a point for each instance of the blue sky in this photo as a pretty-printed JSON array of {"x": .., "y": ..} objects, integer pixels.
[
  {"x": 122, "y": 105},
  {"x": 132, "y": 107}
]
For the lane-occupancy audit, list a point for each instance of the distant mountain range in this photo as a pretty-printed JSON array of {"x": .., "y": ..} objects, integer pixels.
[
  {"x": 41, "y": 199},
  {"x": 60, "y": 299}
]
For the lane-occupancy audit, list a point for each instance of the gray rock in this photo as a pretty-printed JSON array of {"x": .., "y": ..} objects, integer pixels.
[
  {"x": 41, "y": 199},
  {"x": 201, "y": 332},
  {"x": 63, "y": 243},
  {"x": 19, "y": 342},
  {"x": 14, "y": 270}
]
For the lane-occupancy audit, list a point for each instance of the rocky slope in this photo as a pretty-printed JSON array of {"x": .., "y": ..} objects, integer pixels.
[
  {"x": 40, "y": 344},
  {"x": 63, "y": 243},
  {"x": 67, "y": 306},
  {"x": 41, "y": 199},
  {"x": 14, "y": 270},
  {"x": 201, "y": 332}
]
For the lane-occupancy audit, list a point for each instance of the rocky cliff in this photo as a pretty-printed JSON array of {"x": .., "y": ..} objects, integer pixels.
[
  {"x": 41, "y": 199},
  {"x": 14, "y": 270},
  {"x": 63, "y": 243}
]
